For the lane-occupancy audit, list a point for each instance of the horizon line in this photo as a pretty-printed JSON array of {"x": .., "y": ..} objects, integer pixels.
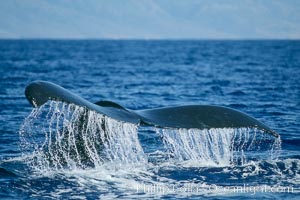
[{"x": 145, "y": 39}]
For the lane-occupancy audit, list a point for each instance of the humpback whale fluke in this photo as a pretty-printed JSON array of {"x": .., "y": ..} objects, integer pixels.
[{"x": 190, "y": 116}]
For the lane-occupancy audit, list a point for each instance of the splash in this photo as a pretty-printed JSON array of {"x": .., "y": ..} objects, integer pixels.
[
  {"x": 65, "y": 136},
  {"x": 72, "y": 137}
]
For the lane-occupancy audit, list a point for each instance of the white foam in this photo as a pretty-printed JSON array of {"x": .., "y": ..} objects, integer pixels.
[
  {"x": 66, "y": 136},
  {"x": 100, "y": 152}
]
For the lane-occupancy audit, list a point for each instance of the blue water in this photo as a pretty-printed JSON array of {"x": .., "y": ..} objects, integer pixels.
[{"x": 260, "y": 78}]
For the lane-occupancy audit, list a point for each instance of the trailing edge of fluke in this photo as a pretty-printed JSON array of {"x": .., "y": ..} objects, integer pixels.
[{"x": 190, "y": 116}]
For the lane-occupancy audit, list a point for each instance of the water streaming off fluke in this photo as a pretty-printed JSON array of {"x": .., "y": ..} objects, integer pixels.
[
  {"x": 65, "y": 136},
  {"x": 219, "y": 147}
]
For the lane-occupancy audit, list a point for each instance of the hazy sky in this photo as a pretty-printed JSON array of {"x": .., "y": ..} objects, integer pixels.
[{"x": 146, "y": 19}]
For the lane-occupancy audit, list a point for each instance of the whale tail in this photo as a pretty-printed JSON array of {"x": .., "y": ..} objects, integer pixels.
[{"x": 191, "y": 116}]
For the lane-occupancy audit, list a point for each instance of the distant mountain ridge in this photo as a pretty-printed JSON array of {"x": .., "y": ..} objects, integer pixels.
[{"x": 149, "y": 19}]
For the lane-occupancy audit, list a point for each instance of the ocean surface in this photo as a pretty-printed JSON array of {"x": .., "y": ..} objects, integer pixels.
[{"x": 260, "y": 78}]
